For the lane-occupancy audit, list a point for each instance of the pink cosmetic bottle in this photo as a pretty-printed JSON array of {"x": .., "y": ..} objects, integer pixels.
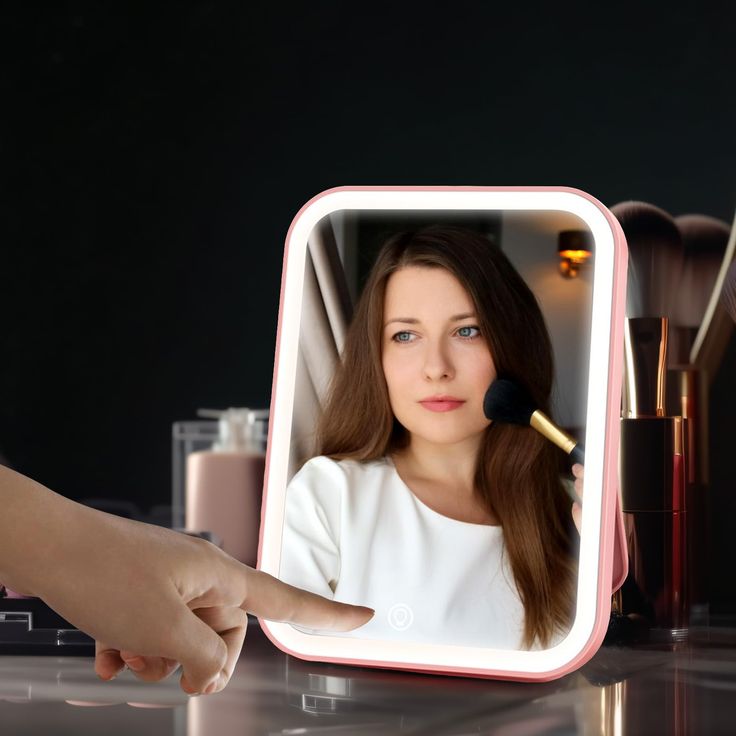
[{"x": 224, "y": 484}]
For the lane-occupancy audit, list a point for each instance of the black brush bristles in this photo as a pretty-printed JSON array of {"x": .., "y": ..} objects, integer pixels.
[
  {"x": 656, "y": 254},
  {"x": 507, "y": 402}
]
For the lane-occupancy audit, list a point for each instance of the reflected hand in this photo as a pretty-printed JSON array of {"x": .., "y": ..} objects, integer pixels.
[{"x": 577, "y": 510}]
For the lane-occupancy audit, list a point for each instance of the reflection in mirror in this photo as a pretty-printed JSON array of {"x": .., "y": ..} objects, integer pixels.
[{"x": 402, "y": 496}]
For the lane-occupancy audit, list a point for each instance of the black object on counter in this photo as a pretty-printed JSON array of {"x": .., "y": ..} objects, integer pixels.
[{"x": 29, "y": 627}]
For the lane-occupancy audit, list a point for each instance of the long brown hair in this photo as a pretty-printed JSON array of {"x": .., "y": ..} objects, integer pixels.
[{"x": 517, "y": 473}]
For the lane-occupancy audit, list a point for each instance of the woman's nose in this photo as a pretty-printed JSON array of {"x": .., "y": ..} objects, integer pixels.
[{"x": 437, "y": 363}]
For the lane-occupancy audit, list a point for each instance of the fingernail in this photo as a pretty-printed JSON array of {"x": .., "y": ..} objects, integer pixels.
[
  {"x": 136, "y": 664},
  {"x": 210, "y": 688},
  {"x": 187, "y": 688}
]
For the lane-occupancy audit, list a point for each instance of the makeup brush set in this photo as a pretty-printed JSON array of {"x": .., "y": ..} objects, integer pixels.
[{"x": 675, "y": 335}]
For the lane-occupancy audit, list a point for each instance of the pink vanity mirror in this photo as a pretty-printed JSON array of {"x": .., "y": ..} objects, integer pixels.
[{"x": 396, "y": 480}]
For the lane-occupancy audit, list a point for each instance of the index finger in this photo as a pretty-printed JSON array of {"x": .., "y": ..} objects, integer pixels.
[{"x": 269, "y": 598}]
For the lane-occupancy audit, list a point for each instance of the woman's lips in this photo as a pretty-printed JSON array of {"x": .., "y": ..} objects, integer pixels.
[{"x": 442, "y": 404}]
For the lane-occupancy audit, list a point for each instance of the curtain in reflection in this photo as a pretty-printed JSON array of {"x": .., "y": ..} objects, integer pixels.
[{"x": 326, "y": 312}]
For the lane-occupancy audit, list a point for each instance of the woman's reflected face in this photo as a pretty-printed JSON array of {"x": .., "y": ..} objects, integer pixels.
[{"x": 436, "y": 362}]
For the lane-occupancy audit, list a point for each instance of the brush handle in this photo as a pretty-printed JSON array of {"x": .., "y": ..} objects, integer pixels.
[
  {"x": 577, "y": 454},
  {"x": 645, "y": 350}
]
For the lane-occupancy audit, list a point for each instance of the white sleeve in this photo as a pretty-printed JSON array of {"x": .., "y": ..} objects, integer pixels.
[{"x": 310, "y": 545}]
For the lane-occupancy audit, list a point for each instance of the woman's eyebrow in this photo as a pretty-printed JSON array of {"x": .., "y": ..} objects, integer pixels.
[
  {"x": 407, "y": 320},
  {"x": 415, "y": 321}
]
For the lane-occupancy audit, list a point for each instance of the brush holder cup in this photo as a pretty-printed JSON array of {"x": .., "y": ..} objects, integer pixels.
[{"x": 654, "y": 500}]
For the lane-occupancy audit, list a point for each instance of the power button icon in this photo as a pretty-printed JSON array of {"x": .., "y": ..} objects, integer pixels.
[{"x": 400, "y": 617}]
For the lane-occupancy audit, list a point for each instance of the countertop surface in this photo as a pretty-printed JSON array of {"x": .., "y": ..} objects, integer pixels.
[{"x": 682, "y": 689}]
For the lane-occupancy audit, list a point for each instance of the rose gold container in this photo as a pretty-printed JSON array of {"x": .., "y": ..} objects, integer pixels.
[{"x": 224, "y": 485}]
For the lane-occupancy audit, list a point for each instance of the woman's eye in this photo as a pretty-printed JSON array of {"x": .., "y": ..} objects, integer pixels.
[
  {"x": 403, "y": 337},
  {"x": 468, "y": 332}
]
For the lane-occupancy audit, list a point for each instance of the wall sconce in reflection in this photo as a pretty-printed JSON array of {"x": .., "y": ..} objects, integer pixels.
[{"x": 574, "y": 247}]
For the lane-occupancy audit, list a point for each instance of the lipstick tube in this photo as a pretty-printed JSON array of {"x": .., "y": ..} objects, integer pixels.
[{"x": 687, "y": 394}]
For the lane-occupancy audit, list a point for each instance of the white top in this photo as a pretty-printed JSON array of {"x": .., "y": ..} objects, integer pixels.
[{"x": 355, "y": 532}]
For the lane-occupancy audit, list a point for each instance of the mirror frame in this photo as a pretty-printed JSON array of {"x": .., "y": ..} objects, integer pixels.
[{"x": 601, "y": 518}]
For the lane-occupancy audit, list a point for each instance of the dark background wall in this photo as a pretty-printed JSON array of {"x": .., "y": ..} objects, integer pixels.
[{"x": 153, "y": 158}]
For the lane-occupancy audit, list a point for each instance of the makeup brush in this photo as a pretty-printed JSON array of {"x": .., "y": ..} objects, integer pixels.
[
  {"x": 656, "y": 255},
  {"x": 506, "y": 402},
  {"x": 704, "y": 239},
  {"x": 716, "y": 326}
]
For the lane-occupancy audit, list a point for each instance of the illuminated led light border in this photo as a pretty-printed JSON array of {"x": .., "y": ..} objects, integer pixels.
[{"x": 417, "y": 655}]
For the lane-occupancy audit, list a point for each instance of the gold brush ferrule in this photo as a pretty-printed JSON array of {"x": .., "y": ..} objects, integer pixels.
[
  {"x": 678, "y": 431},
  {"x": 545, "y": 426}
]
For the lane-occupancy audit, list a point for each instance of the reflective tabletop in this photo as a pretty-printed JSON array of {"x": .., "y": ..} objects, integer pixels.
[{"x": 677, "y": 689}]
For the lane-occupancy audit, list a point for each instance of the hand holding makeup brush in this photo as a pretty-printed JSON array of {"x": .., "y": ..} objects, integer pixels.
[
  {"x": 151, "y": 597},
  {"x": 577, "y": 509},
  {"x": 505, "y": 401}
]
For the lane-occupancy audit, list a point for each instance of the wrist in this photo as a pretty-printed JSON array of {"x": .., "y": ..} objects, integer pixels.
[{"x": 35, "y": 524}]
